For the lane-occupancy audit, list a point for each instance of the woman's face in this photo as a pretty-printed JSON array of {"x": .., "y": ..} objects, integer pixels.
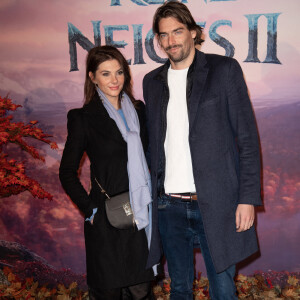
[{"x": 110, "y": 79}]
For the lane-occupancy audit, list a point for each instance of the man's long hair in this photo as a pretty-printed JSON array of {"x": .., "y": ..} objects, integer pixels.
[{"x": 180, "y": 12}]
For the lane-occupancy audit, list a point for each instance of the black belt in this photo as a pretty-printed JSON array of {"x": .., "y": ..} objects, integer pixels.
[{"x": 185, "y": 197}]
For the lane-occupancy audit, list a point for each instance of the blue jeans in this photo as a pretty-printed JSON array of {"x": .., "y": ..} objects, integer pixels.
[{"x": 181, "y": 229}]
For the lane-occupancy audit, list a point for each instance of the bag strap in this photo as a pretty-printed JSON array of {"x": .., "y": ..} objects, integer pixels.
[{"x": 102, "y": 189}]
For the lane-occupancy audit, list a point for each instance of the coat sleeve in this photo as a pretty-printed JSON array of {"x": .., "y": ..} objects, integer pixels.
[
  {"x": 245, "y": 132},
  {"x": 72, "y": 154}
]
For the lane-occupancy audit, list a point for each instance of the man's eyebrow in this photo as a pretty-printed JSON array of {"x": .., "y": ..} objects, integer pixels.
[
  {"x": 179, "y": 28},
  {"x": 161, "y": 32}
]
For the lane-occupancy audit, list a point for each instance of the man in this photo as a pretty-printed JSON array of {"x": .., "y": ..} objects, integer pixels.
[{"x": 204, "y": 157}]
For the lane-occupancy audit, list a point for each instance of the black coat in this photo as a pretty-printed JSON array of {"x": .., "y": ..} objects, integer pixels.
[
  {"x": 115, "y": 258},
  {"x": 224, "y": 150}
]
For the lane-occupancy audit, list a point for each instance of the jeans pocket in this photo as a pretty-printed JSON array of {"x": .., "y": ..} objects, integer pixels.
[{"x": 162, "y": 203}]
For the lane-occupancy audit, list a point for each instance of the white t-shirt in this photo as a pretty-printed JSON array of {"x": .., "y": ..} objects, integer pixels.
[{"x": 178, "y": 174}]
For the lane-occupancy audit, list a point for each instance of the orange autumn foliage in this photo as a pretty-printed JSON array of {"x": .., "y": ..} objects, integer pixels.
[{"x": 13, "y": 178}]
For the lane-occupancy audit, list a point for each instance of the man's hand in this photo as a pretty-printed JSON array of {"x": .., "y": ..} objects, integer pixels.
[{"x": 244, "y": 217}]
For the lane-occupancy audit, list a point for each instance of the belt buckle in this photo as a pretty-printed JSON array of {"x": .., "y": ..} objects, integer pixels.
[{"x": 187, "y": 199}]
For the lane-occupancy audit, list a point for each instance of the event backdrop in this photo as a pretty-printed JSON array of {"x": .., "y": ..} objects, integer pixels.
[{"x": 43, "y": 50}]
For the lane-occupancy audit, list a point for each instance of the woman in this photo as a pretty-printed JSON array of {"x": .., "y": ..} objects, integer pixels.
[{"x": 109, "y": 124}]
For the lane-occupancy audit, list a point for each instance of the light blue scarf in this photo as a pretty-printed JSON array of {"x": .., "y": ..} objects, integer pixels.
[{"x": 138, "y": 172}]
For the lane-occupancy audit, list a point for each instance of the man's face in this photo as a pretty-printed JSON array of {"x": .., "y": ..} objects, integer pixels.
[{"x": 176, "y": 40}]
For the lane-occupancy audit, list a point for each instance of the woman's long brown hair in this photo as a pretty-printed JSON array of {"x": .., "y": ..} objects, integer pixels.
[{"x": 95, "y": 57}]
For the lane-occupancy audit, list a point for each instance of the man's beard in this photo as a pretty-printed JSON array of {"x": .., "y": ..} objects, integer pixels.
[{"x": 180, "y": 56}]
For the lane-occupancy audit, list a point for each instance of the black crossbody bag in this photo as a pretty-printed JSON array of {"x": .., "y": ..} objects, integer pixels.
[{"x": 118, "y": 209}]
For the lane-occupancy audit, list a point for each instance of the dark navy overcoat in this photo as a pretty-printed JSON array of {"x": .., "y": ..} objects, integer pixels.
[{"x": 224, "y": 149}]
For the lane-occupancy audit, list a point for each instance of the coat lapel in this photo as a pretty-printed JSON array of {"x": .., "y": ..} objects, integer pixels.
[
  {"x": 156, "y": 116},
  {"x": 199, "y": 78},
  {"x": 158, "y": 93},
  {"x": 100, "y": 120}
]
